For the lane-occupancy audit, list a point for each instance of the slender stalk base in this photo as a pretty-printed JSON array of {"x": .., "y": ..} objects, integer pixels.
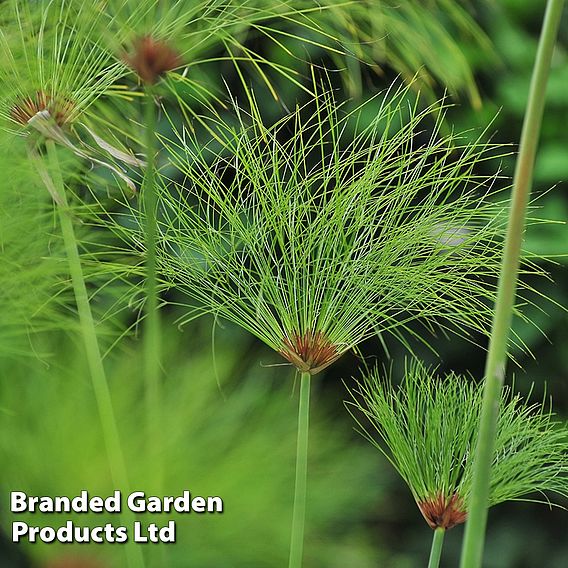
[
  {"x": 299, "y": 514},
  {"x": 152, "y": 334},
  {"x": 436, "y": 550},
  {"x": 94, "y": 360},
  {"x": 474, "y": 539}
]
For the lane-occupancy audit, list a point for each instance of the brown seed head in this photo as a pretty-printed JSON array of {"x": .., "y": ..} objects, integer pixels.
[
  {"x": 444, "y": 512},
  {"x": 310, "y": 352},
  {"x": 151, "y": 58},
  {"x": 25, "y": 109}
]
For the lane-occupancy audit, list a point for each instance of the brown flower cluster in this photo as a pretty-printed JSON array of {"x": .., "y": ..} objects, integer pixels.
[
  {"x": 25, "y": 109},
  {"x": 311, "y": 352},
  {"x": 444, "y": 512},
  {"x": 151, "y": 58}
]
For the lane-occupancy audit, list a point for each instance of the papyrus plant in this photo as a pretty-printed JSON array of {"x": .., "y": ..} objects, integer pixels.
[
  {"x": 427, "y": 428},
  {"x": 314, "y": 233},
  {"x": 51, "y": 62},
  {"x": 54, "y": 68},
  {"x": 52, "y": 71},
  {"x": 163, "y": 44}
]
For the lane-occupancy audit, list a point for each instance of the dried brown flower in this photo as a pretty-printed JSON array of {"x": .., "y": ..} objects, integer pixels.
[
  {"x": 444, "y": 512},
  {"x": 311, "y": 352},
  {"x": 151, "y": 58},
  {"x": 25, "y": 109}
]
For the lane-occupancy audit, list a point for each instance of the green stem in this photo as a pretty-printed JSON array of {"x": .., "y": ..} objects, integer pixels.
[
  {"x": 436, "y": 550},
  {"x": 299, "y": 514},
  {"x": 472, "y": 551},
  {"x": 94, "y": 360},
  {"x": 152, "y": 335}
]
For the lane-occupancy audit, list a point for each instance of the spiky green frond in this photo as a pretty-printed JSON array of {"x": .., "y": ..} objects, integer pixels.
[
  {"x": 427, "y": 428},
  {"x": 313, "y": 233},
  {"x": 407, "y": 38},
  {"x": 51, "y": 59},
  {"x": 199, "y": 32}
]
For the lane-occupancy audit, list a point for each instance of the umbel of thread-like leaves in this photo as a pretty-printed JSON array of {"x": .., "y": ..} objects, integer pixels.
[
  {"x": 427, "y": 428},
  {"x": 314, "y": 233},
  {"x": 54, "y": 68},
  {"x": 52, "y": 60}
]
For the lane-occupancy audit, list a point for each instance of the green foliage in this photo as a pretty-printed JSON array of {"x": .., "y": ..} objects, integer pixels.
[
  {"x": 231, "y": 435},
  {"x": 51, "y": 58},
  {"x": 33, "y": 296},
  {"x": 312, "y": 242},
  {"x": 427, "y": 428},
  {"x": 382, "y": 221},
  {"x": 410, "y": 37},
  {"x": 513, "y": 28}
]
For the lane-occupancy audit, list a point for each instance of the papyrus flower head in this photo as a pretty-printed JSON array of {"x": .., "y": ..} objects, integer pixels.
[
  {"x": 314, "y": 234},
  {"x": 51, "y": 61},
  {"x": 427, "y": 428},
  {"x": 151, "y": 58},
  {"x": 25, "y": 109}
]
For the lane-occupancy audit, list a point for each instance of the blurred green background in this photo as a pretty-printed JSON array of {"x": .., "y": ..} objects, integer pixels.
[{"x": 230, "y": 421}]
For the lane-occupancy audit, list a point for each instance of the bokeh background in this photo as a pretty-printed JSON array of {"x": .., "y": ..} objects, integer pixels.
[{"x": 229, "y": 426}]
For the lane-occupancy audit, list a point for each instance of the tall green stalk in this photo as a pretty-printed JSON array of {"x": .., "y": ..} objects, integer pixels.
[
  {"x": 152, "y": 336},
  {"x": 94, "y": 360},
  {"x": 436, "y": 550},
  {"x": 299, "y": 514},
  {"x": 472, "y": 551}
]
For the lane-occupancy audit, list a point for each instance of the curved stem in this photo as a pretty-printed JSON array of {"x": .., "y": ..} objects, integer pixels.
[
  {"x": 152, "y": 335},
  {"x": 299, "y": 514},
  {"x": 94, "y": 360},
  {"x": 436, "y": 550},
  {"x": 473, "y": 545}
]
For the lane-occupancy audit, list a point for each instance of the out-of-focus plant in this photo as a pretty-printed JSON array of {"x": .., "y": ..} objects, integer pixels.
[
  {"x": 427, "y": 428},
  {"x": 214, "y": 442},
  {"x": 31, "y": 295},
  {"x": 54, "y": 69},
  {"x": 431, "y": 39}
]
